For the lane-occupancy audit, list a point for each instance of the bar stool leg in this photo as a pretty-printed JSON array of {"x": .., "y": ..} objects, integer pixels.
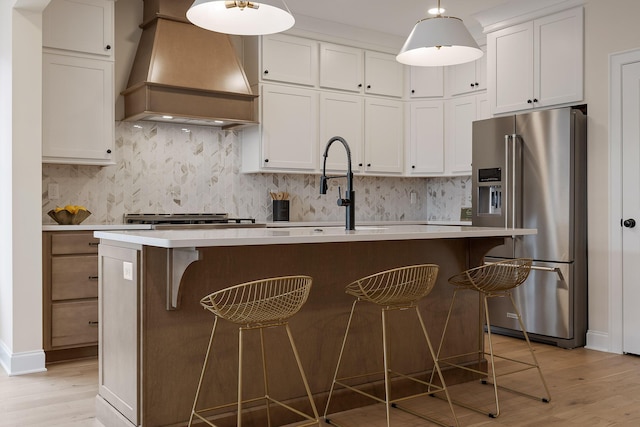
[
  {"x": 385, "y": 359},
  {"x": 204, "y": 369},
  {"x": 533, "y": 355},
  {"x": 436, "y": 366},
  {"x": 240, "y": 351},
  {"x": 492, "y": 361},
  {"x": 265, "y": 376},
  {"x": 335, "y": 375},
  {"x": 302, "y": 374}
]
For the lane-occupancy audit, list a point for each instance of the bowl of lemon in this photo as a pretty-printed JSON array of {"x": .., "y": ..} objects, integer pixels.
[{"x": 69, "y": 215}]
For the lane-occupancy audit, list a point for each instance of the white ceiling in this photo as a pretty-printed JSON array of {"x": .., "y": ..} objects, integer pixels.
[{"x": 389, "y": 16}]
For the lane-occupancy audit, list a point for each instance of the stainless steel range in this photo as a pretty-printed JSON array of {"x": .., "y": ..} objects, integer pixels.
[{"x": 191, "y": 220}]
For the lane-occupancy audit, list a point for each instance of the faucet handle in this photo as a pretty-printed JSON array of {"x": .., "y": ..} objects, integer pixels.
[
  {"x": 324, "y": 186},
  {"x": 341, "y": 201}
]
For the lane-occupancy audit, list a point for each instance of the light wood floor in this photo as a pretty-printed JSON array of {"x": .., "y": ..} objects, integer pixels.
[{"x": 588, "y": 388}]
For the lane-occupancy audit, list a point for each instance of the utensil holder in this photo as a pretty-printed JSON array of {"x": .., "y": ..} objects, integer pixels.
[{"x": 281, "y": 210}]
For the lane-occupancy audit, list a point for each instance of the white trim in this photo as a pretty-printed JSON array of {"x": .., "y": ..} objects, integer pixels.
[
  {"x": 27, "y": 362},
  {"x": 519, "y": 11},
  {"x": 597, "y": 340},
  {"x": 616, "y": 62}
]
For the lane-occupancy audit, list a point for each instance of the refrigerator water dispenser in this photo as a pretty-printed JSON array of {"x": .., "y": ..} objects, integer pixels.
[{"x": 489, "y": 191}]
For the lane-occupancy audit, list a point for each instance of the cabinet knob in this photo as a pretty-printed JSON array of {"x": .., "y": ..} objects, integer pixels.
[
  {"x": 266, "y": 160},
  {"x": 108, "y": 47},
  {"x": 535, "y": 99},
  {"x": 109, "y": 151},
  {"x": 368, "y": 86},
  {"x": 473, "y": 85},
  {"x": 368, "y": 165},
  {"x": 360, "y": 164},
  {"x": 413, "y": 166},
  {"x": 413, "y": 91},
  {"x": 266, "y": 71},
  {"x": 360, "y": 85},
  {"x": 477, "y": 84},
  {"x": 529, "y": 101}
]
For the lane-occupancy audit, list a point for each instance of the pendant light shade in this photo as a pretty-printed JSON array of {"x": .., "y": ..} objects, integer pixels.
[
  {"x": 245, "y": 18},
  {"x": 437, "y": 41}
]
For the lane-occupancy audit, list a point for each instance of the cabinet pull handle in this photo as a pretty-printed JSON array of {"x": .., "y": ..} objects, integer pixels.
[
  {"x": 93, "y": 243},
  {"x": 93, "y": 277},
  {"x": 93, "y": 323}
]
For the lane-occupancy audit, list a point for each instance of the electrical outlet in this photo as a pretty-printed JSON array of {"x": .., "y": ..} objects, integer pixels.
[
  {"x": 54, "y": 192},
  {"x": 127, "y": 270},
  {"x": 413, "y": 197}
]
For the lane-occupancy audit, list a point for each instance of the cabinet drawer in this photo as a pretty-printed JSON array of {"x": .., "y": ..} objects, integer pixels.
[
  {"x": 74, "y": 243},
  {"x": 74, "y": 277},
  {"x": 74, "y": 323}
]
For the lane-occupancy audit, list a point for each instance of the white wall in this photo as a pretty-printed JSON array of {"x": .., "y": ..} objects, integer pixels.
[
  {"x": 612, "y": 26},
  {"x": 20, "y": 195}
]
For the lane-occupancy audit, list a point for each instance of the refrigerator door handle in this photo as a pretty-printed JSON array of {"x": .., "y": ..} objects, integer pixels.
[
  {"x": 508, "y": 207},
  {"x": 550, "y": 270},
  {"x": 512, "y": 163}
]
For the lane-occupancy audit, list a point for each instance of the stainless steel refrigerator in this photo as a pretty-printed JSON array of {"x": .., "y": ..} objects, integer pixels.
[{"x": 529, "y": 171}]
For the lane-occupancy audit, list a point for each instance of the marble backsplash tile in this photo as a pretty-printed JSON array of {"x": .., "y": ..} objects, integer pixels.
[{"x": 161, "y": 168}]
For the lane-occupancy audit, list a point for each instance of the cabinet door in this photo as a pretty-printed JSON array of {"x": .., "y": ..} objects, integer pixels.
[
  {"x": 426, "y": 82},
  {"x": 426, "y": 146},
  {"x": 383, "y": 74},
  {"x": 341, "y": 67},
  {"x": 558, "y": 52},
  {"x": 510, "y": 77},
  {"x": 79, "y": 25},
  {"x": 462, "y": 113},
  {"x": 462, "y": 78},
  {"x": 289, "y": 59},
  {"x": 384, "y": 136},
  {"x": 341, "y": 115},
  {"x": 77, "y": 110},
  {"x": 289, "y": 128}
]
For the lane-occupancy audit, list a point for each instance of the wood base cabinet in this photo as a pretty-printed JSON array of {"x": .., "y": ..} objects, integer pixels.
[{"x": 70, "y": 295}]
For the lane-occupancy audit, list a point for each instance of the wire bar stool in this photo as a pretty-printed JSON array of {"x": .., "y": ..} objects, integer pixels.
[
  {"x": 493, "y": 280},
  {"x": 257, "y": 305},
  {"x": 396, "y": 289}
]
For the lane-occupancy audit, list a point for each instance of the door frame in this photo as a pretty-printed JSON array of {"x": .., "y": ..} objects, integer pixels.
[{"x": 616, "y": 62}]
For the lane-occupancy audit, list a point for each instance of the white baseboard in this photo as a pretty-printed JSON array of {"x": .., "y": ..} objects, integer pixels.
[
  {"x": 599, "y": 341},
  {"x": 27, "y": 362}
]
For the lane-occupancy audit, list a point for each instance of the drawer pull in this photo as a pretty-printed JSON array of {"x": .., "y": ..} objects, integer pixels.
[
  {"x": 93, "y": 323},
  {"x": 93, "y": 243},
  {"x": 93, "y": 277}
]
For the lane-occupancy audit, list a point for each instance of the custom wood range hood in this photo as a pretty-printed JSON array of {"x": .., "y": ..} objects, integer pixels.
[{"x": 186, "y": 72}]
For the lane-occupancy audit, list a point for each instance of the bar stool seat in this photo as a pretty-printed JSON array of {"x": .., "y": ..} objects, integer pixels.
[
  {"x": 493, "y": 280},
  {"x": 396, "y": 289},
  {"x": 257, "y": 305}
]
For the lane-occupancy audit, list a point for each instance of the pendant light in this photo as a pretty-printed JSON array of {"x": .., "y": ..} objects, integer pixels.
[
  {"x": 440, "y": 40},
  {"x": 247, "y": 18}
]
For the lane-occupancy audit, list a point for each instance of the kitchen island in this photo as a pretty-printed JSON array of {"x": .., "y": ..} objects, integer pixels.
[{"x": 154, "y": 333}]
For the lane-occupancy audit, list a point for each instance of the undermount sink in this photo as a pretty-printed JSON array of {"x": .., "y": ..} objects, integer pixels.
[{"x": 370, "y": 228}]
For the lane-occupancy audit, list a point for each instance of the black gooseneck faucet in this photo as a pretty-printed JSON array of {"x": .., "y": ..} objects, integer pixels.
[{"x": 349, "y": 201}]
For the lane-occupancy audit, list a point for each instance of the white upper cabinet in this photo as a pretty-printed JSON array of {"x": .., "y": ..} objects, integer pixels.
[
  {"x": 84, "y": 26},
  {"x": 426, "y": 82},
  {"x": 383, "y": 74},
  {"x": 426, "y": 138},
  {"x": 289, "y": 59},
  {"x": 360, "y": 71},
  {"x": 287, "y": 138},
  {"x": 460, "y": 115},
  {"x": 341, "y": 67},
  {"x": 537, "y": 63},
  {"x": 384, "y": 136},
  {"x": 342, "y": 115},
  {"x": 78, "y": 110},
  {"x": 468, "y": 77}
]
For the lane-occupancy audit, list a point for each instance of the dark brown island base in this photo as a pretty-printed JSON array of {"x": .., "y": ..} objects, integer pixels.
[{"x": 154, "y": 332}]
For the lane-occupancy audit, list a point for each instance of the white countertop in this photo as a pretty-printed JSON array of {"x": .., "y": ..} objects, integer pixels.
[
  {"x": 92, "y": 227},
  {"x": 287, "y": 224},
  {"x": 297, "y": 235}
]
